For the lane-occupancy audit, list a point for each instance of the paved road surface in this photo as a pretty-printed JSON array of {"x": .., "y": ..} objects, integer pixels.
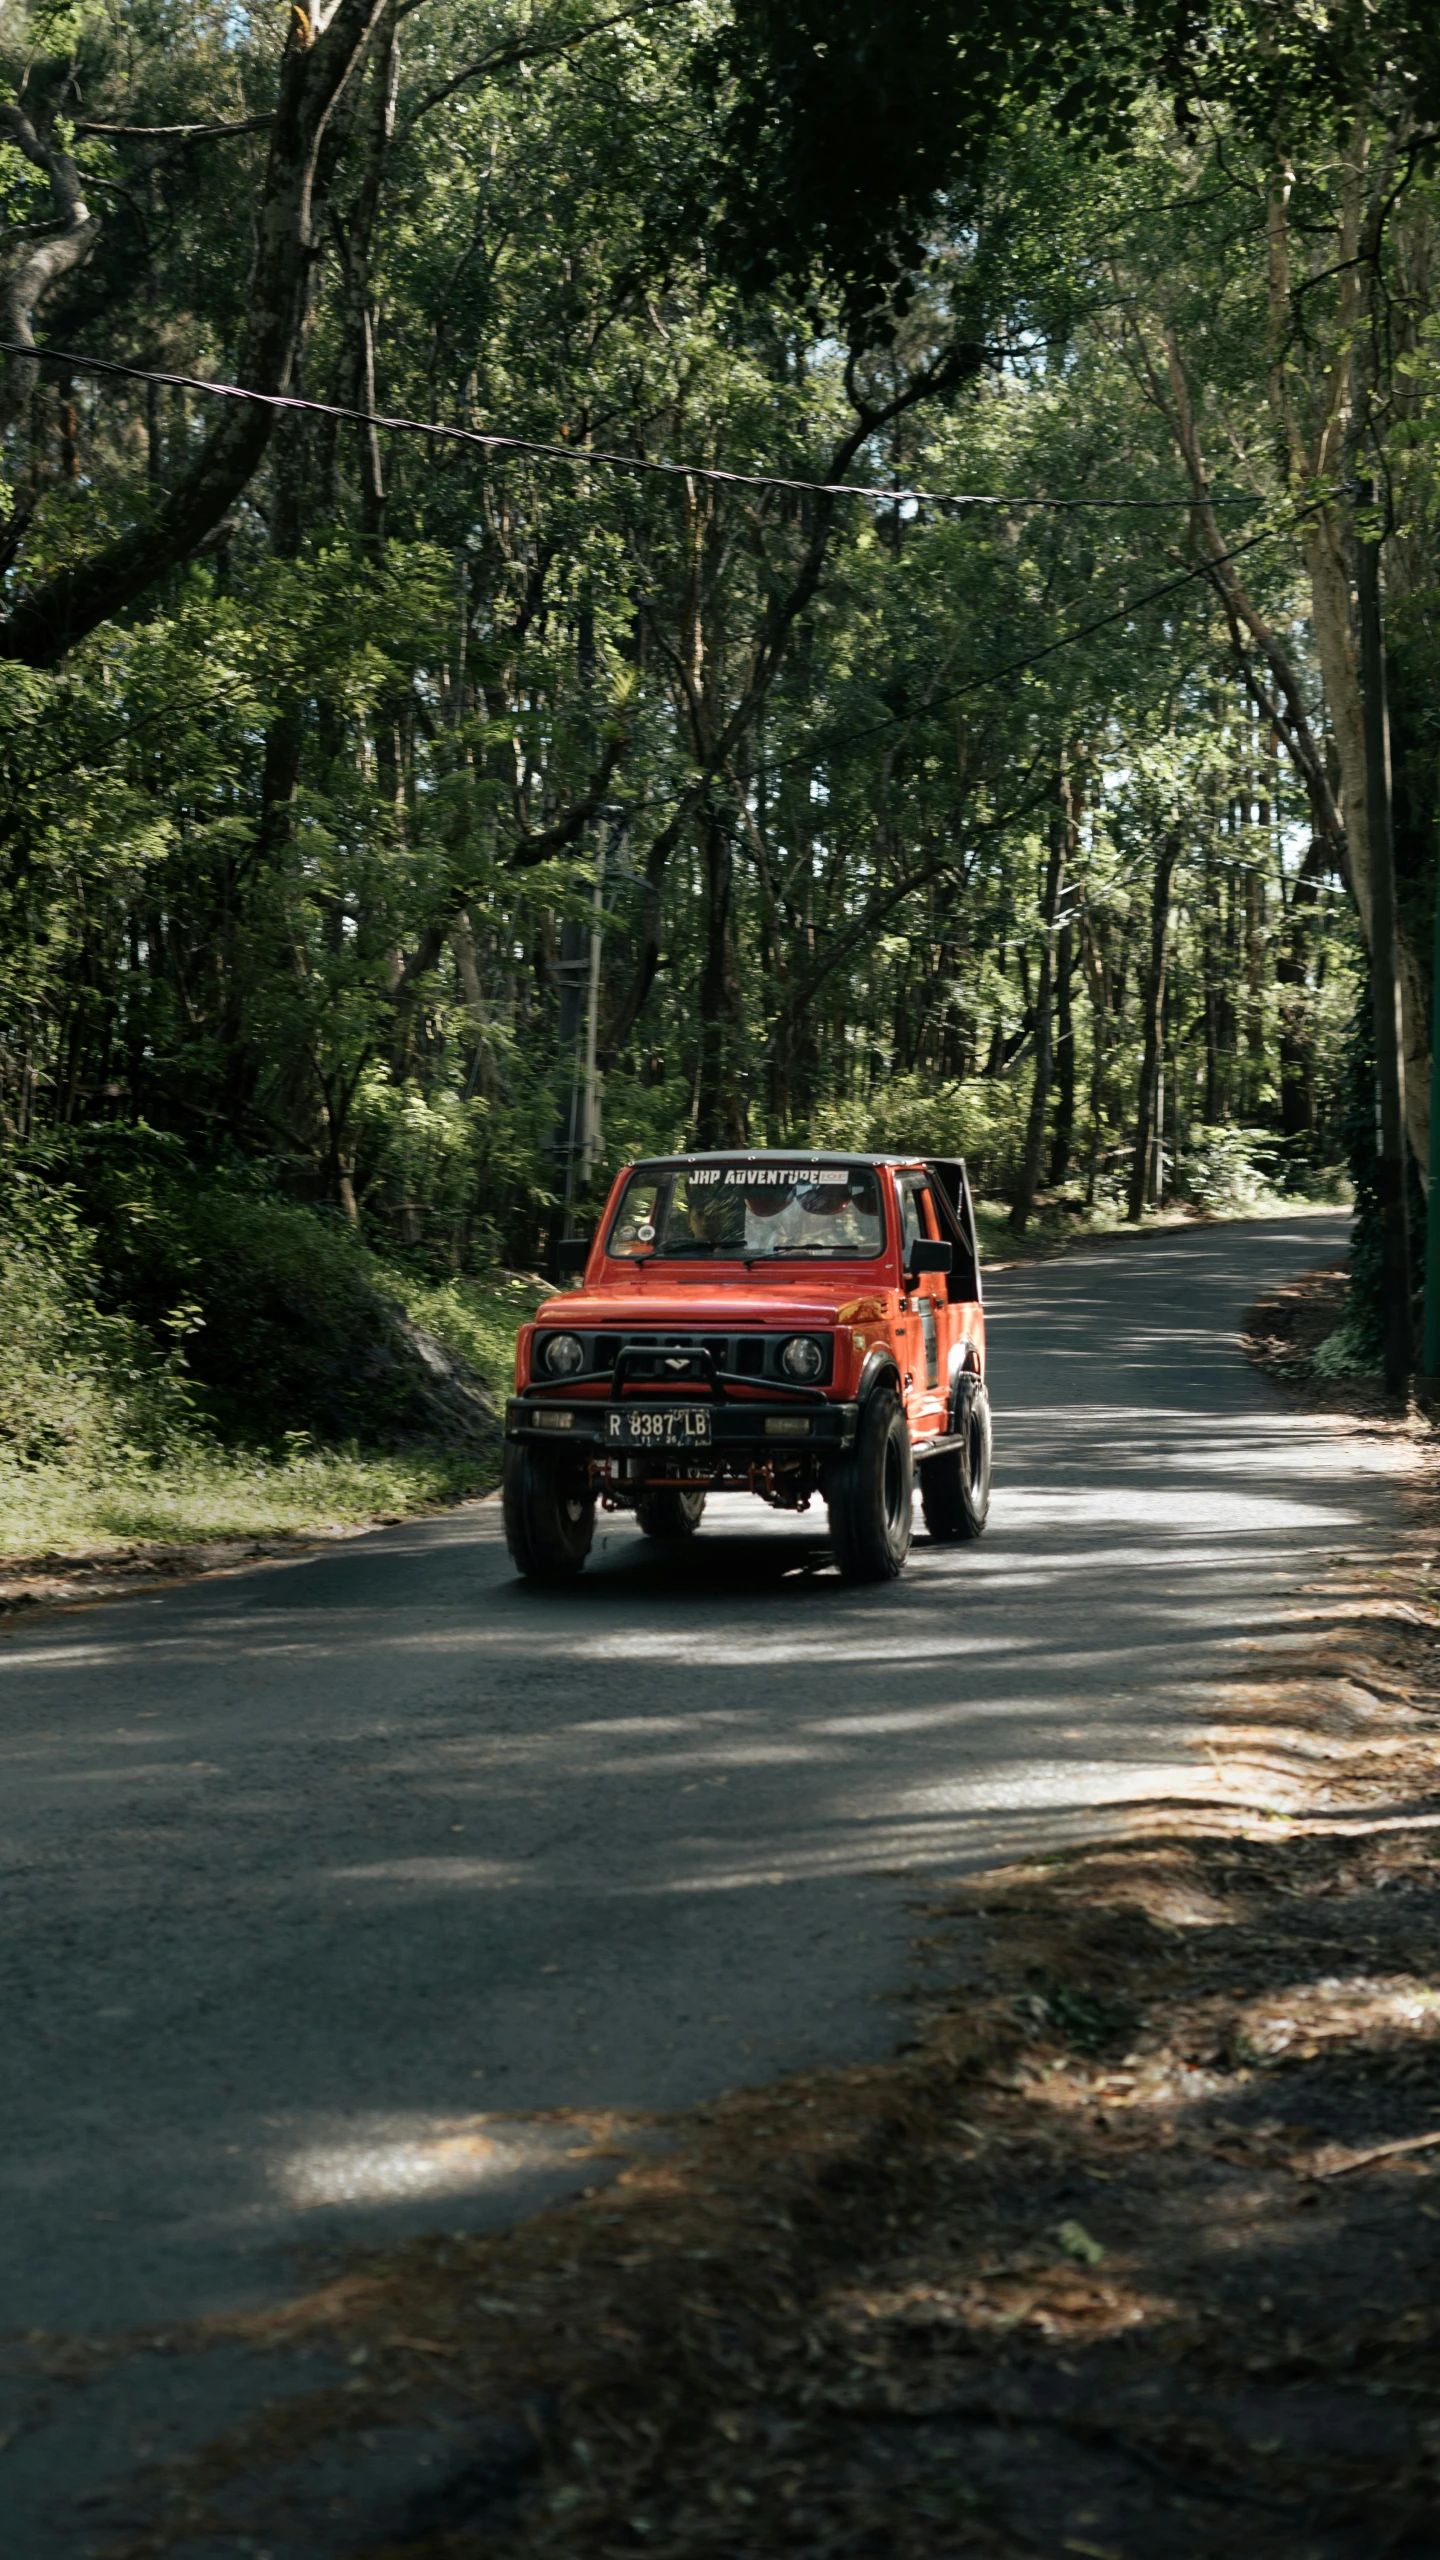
[{"x": 308, "y": 1868}]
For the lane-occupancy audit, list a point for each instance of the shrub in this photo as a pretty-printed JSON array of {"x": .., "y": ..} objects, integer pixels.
[
  {"x": 1225, "y": 1169},
  {"x": 284, "y": 1322},
  {"x": 294, "y": 1333},
  {"x": 77, "y": 1384}
]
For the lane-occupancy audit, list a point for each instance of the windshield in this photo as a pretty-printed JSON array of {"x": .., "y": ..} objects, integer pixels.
[{"x": 751, "y": 1211}]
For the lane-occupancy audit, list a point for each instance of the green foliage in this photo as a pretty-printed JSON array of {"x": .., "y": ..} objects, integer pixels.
[
  {"x": 853, "y": 127},
  {"x": 1227, "y": 1170},
  {"x": 204, "y": 1495},
  {"x": 79, "y": 1387},
  {"x": 301, "y": 856},
  {"x": 477, "y": 1319},
  {"x": 1088, "y": 2020},
  {"x": 847, "y": 125},
  {"x": 982, "y": 1120},
  {"x": 286, "y": 1323},
  {"x": 212, "y": 1404}
]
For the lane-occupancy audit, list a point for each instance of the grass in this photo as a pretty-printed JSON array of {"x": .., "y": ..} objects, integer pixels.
[
  {"x": 199, "y": 1494},
  {"x": 197, "y": 1497},
  {"x": 477, "y": 1319}
]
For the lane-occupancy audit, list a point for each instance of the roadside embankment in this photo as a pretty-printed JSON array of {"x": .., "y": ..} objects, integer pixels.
[{"x": 192, "y": 1382}]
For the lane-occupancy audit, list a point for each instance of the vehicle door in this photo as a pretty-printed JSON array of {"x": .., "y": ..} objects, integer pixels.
[{"x": 927, "y": 1318}]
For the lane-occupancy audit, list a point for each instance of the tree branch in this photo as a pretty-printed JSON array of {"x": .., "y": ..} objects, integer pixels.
[
  {"x": 177, "y": 132},
  {"x": 523, "y": 49},
  {"x": 316, "y": 67},
  {"x": 555, "y": 839},
  {"x": 958, "y": 364},
  {"x": 37, "y": 271}
]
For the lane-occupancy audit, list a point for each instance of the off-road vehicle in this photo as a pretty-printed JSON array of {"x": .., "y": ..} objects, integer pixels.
[{"x": 787, "y": 1324}]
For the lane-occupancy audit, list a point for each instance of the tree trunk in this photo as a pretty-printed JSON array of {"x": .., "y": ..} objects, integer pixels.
[
  {"x": 1340, "y": 821},
  {"x": 572, "y": 972},
  {"x": 355, "y": 385},
  {"x": 1216, "y": 1031},
  {"x": 63, "y": 609},
  {"x": 722, "y": 1110},
  {"x": 1391, "y": 1170},
  {"x": 1023, "y": 1203},
  {"x": 39, "y": 265},
  {"x": 1255, "y": 1044},
  {"x": 1292, "y": 978},
  {"x": 1063, "y": 1135},
  {"x": 1165, "y": 861},
  {"x": 766, "y": 656}
]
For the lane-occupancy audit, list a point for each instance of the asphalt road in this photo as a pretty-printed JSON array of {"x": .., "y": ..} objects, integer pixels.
[{"x": 322, "y": 1880}]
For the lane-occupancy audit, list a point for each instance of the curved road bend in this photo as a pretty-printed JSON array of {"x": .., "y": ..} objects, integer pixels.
[{"x": 307, "y": 1868}]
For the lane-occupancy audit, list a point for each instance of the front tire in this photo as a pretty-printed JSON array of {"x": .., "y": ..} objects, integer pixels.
[
  {"x": 549, "y": 1513},
  {"x": 871, "y": 1498},
  {"x": 955, "y": 1487},
  {"x": 669, "y": 1513}
]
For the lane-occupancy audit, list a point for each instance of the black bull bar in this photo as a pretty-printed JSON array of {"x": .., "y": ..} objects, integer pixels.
[{"x": 779, "y": 1420}]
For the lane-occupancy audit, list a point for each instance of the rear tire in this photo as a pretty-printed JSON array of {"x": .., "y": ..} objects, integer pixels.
[
  {"x": 871, "y": 1495},
  {"x": 955, "y": 1487},
  {"x": 669, "y": 1513},
  {"x": 549, "y": 1513}
]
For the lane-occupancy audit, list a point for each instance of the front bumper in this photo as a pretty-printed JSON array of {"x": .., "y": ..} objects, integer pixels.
[{"x": 736, "y": 1430}]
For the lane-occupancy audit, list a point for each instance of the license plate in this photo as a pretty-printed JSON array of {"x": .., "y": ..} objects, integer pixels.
[{"x": 664, "y": 1426}]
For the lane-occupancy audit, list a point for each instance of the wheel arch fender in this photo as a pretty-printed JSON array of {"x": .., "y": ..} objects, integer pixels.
[
  {"x": 881, "y": 1370},
  {"x": 965, "y": 1362}
]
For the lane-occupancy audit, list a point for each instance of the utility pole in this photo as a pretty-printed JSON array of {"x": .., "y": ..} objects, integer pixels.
[{"x": 1389, "y": 1051}]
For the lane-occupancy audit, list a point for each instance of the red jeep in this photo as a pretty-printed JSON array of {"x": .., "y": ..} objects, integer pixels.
[{"x": 788, "y": 1324}]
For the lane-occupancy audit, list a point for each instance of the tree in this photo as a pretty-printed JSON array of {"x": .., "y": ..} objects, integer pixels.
[
  {"x": 308, "y": 838},
  {"x": 50, "y": 615}
]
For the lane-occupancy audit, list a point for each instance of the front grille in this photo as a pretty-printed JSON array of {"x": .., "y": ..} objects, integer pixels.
[{"x": 744, "y": 1355}]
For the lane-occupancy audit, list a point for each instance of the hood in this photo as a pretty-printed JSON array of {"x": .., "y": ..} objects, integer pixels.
[{"x": 800, "y": 1300}]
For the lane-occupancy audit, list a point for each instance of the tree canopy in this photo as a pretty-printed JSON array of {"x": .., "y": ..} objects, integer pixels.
[{"x": 417, "y": 828}]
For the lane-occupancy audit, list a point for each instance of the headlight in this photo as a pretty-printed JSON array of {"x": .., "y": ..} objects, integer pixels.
[
  {"x": 564, "y": 1354},
  {"x": 803, "y": 1356}
]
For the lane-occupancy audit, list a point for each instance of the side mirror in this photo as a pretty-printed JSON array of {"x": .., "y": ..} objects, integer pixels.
[
  {"x": 571, "y": 1256},
  {"x": 930, "y": 1253}
]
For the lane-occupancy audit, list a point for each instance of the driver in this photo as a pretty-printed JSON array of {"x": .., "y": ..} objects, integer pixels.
[{"x": 715, "y": 1217}]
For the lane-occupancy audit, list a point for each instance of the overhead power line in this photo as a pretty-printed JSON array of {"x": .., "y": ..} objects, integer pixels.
[{"x": 587, "y": 457}]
